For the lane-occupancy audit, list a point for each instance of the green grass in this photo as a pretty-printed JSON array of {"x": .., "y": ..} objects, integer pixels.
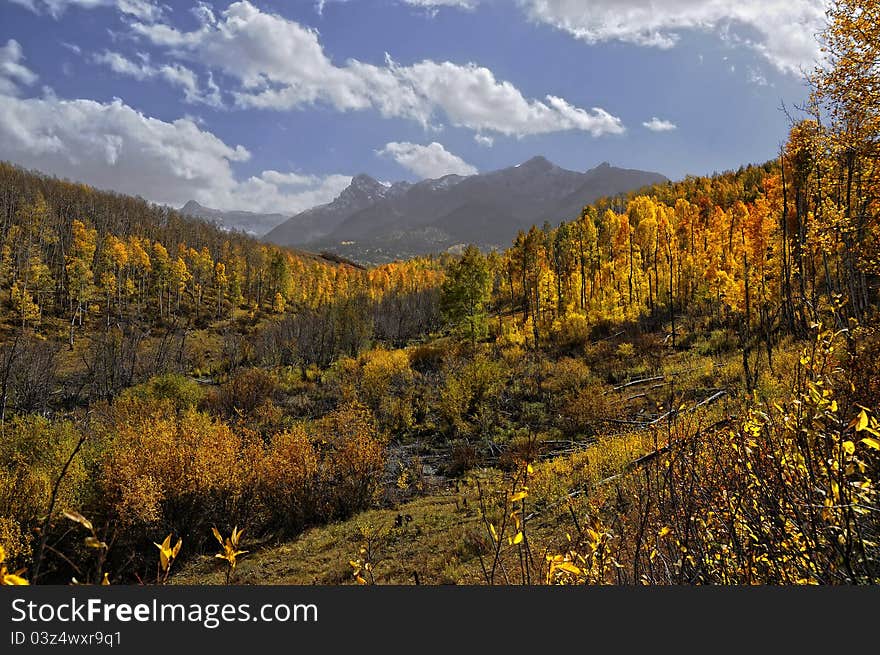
[{"x": 433, "y": 544}]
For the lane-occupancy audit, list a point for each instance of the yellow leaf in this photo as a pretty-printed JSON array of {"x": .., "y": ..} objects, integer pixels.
[
  {"x": 518, "y": 538},
  {"x": 518, "y": 496},
  {"x": 862, "y": 421},
  {"x": 849, "y": 447},
  {"x": 529, "y": 469},
  {"x": 516, "y": 519},
  {"x": 494, "y": 532},
  {"x": 217, "y": 535},
  {"x": 15, "y": 580},
  {"x": 2, "y": 554},
  {"x": 76, "y": 517},
  {"x": 871, "y": 443},
  {"x": 106, "y": 580},
  {"x": 568, "y": 567},
  {"x": 92, "y": 542},
  {"x": 665, "y": 530}
]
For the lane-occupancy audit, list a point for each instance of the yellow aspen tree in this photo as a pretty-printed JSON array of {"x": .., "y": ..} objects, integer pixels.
[
  {"x": 80, "y": 277},
  {"x": 220, "y": 283},
  {"x": 23, "y": 304},
  {"x": 161, "y": 277}
]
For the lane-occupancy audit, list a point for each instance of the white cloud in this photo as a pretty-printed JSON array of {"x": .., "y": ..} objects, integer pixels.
[
  {"x": 429, "y": 162},
  {"x": 783, "y": 31},
  {"x": 27, "y": 4},
  {"x": 484, "y": 140},
  {"x": 288, "y": 179},
  {"x": 146, "y": 10},
  {"x": 112, "y": 146},
  {"x": 142, "y": 9},
  {"x": 431, "y": 5},
  {"x": 269, "y": 192},
  {"x": 657, "y": 125},
  {"x": 174, "y": 74},
  {"x": 436, "y": 4},
  {"x": 281, "y": 64},
  {"x": 124, "y": 66},
  {"x": 756, "y": 77},
  {"x": 12, "y": 71},
  {"x": 470, "y": 96}
]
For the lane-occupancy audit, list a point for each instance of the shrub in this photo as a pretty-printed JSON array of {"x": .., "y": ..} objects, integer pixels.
[
  {"x": 33, "y": 453},
  {"x": 157, "y": 469},
  {"x": 323, "y": 469},
  {"x": 15, "y": 542},
  {"x": 162, "y": 472},
  {"x": 522, "y": 448},
  {"x": 386, "y": 387},
  {"x": 462, "y": 458},
  {"x": 567, "y": 376},
  {"x": 289, "y": 485},
  {"x": 182, "y": 391},
  {"x": 426, "y": 357},
  {"x": 584, "y": 409},
  {"x": 807, "y": 466},
  {"x": 356, "y": 459},
  {"x": 572, "y": 330},
  {"x": 719, "y": 341},
  {"x": 243, "y": 394},
  {"x": 383, "y": 381},
  {"x": 468, "y": 388}
]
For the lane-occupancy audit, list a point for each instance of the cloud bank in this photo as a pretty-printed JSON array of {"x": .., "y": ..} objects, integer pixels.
[{"x": 428, "y": 162}]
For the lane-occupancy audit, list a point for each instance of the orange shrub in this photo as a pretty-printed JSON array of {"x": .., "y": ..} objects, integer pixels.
[
  {"x": 247, "y": 391},
  {"x": 164, "y": 471},
  {"x": 356, "y": 458},
  {"x": 289, "y": 484}
]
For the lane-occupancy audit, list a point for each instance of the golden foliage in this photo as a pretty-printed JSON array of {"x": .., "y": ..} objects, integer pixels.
[
  {"x": 7, "y": 578},
  {"x": 229, "y": 549}
]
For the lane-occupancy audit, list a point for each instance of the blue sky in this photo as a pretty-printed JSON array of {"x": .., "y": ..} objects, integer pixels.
[{"x": 273, "y": 106}]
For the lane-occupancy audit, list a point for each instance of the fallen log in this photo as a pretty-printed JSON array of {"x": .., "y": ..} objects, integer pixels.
[
  {"x": 708, "y": 401},
  {"x": 633, "y": 383}
]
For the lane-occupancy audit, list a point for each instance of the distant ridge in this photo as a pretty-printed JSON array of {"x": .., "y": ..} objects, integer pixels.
[
  {"x": 252, "y": 223},
  {"x": 373, "y": 222}
]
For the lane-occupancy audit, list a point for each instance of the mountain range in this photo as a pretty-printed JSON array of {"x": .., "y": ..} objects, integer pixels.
[
  {"x": 249, "y": 222},
  {"x": 373, "y": 222}
]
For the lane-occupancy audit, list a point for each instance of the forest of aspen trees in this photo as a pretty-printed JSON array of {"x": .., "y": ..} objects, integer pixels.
[{"x": 677, "y": 386}]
